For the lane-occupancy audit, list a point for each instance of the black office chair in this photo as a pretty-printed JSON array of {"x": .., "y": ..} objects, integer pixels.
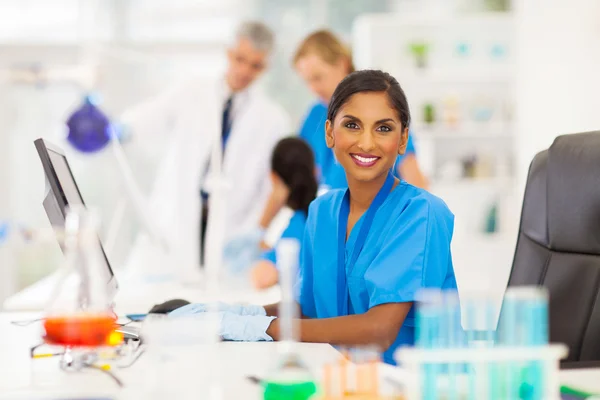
[{"x": 559, "y": 241}]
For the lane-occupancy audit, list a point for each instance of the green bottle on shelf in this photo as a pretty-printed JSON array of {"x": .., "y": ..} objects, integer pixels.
[
  {"x": 492, "y": 219},
  {"x": 428, "y": 113}
]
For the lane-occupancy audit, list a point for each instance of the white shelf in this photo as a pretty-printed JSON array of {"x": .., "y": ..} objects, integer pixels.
[
  {"x": 469, "y": 130},
  {"x": 482, "y": 76},
  {"x": 494, "y": 181}
]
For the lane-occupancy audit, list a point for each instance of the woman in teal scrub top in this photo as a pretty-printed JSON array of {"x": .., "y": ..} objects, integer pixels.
[{"x": 368, "y": 249}]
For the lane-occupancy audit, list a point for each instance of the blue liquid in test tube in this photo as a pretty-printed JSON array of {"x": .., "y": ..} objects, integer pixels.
[
  {"x": 452, "y": 330},
  {"x": 428, "y": 335},
  {"x": 480, "y": 325},
  {"x": 524, "y": 323}
]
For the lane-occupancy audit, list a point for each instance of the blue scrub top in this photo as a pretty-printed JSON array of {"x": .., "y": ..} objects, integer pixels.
[
  {"x": 294, "y": 230},
  {"x": 313, "y": 131},
  {"x": 406, "y": 249}
]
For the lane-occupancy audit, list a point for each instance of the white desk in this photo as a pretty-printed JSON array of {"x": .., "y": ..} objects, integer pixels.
[
  {"x": 239, "y": 360},
  {"x": 137, "y": 295}
]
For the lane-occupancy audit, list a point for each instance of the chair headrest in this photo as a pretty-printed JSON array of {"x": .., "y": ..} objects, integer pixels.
[{"x": 573, "y": 193}]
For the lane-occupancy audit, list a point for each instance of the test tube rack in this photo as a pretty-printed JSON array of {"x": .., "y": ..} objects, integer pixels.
[
  {"x": 482, "y": 364},
  {"x": 356, "y": 379}
]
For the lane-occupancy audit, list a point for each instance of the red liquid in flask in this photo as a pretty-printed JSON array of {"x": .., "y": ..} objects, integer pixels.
[{"x": 82, "y": 330}]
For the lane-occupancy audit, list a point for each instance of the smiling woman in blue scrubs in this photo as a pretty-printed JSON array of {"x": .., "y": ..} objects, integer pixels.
[{"x": 368, "y": 249}]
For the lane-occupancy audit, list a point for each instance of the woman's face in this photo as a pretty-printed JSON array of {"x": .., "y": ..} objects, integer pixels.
[
  {"x": 366, "y": 136},
  {"x": 321, "y": 77}
]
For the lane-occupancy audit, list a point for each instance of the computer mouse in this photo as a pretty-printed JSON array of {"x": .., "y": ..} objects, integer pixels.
[{"x": 168, "y": 306}]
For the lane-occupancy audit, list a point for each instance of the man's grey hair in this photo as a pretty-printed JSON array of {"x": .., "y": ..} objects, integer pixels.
[{"x": 259, "y": 34}]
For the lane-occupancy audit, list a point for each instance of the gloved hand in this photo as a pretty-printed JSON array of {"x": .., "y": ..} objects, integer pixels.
[
  {"x": 243, "y": 328},
  {"x": 243, "y": 250},
  {"x": 238, "y": 309},
  {"x": 241, "y": 242}
]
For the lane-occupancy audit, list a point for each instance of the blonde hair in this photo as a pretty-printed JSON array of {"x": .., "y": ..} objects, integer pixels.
[{"x": 326, "y": 46}]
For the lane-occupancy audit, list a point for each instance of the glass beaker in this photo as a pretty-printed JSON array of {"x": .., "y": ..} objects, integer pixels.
[{"x": 79, "y": 310}]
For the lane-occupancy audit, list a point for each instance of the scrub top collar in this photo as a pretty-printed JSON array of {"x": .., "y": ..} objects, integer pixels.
[{"x": 360, "y": 237}]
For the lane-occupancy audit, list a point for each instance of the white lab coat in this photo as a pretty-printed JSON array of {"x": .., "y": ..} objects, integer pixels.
[{"x": 191, "y": 115}]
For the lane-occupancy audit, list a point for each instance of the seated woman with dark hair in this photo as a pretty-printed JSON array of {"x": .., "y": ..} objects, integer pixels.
[
  {"x": 293, "y": 178},
  {"x": 294, "y": 183}
]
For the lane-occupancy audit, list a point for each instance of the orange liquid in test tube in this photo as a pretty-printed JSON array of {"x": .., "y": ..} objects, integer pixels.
[
  {"x": 374, "y": 377},
  {"x": 327, "y": 378},
  {"x": 344, "y": 373},
  {"x": 84, "y": 330}
]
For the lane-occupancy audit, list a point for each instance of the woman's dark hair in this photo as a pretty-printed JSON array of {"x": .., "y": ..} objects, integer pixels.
[
  {"x": 370, "y": 81},
  {"x": 293, "y": 161}
]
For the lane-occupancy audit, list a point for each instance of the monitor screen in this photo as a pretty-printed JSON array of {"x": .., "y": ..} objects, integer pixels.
[
  {"x": 69, "y": 192},
  {"x": 61, "y": 192}
]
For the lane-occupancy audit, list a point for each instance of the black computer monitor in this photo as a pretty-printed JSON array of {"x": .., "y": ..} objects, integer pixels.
[{"x": 61, "y": 192}]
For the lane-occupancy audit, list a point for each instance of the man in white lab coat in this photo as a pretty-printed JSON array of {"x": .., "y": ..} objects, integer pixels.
[{"x": 202, "y": 117}]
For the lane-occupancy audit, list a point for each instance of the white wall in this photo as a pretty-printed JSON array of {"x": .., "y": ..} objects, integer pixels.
[
  {"x": 142, "y": 47},
  {"x": 558, "y": 82}
]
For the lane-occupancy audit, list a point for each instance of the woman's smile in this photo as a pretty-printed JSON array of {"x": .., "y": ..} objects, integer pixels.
[{"x": 364, "y": 160}]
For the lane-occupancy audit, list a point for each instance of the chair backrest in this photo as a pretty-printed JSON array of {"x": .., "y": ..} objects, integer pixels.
[{"x": 559, "y": 240}]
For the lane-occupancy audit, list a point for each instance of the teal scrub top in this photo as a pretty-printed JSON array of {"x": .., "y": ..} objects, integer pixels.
[
  {"x": 294, "y": 230},
  {"x": 332, "y": 173},
  {"x": 407, "y": 248}
]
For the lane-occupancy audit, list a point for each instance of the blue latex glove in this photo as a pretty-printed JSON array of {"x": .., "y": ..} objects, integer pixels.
[
  {"x": 245, "y": 328},
  {"x": 242, "y": 328},
  {"x": 243, "y": 250},
  {"x": 238, "y": 309},
  {"x": 248, "y": 239}
]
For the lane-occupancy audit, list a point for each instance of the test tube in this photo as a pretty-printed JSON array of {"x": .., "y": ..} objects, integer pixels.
[
  {"x": 344, "y": 362},
  {"x": 479, "y": 323},
  {"x": 364, "y": 379},
  {"x": 327, "y": 380},
  {"x": 524, "y": 323},
  {"x": 524, "y": 319},
  {"x": 292, "y": 379},
  {"x": 454, "y": 337},
  {"x": 429, "y": 311},
  {"x": 429, "y": 336},
  {"x": 287, "y": 251}
]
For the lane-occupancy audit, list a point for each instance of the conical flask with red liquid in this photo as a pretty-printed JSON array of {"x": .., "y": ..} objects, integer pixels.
[{"x": 79, "y": 311}]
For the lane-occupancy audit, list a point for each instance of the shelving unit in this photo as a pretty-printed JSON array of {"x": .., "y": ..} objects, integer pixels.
[{"x": 468, "y": 79}]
